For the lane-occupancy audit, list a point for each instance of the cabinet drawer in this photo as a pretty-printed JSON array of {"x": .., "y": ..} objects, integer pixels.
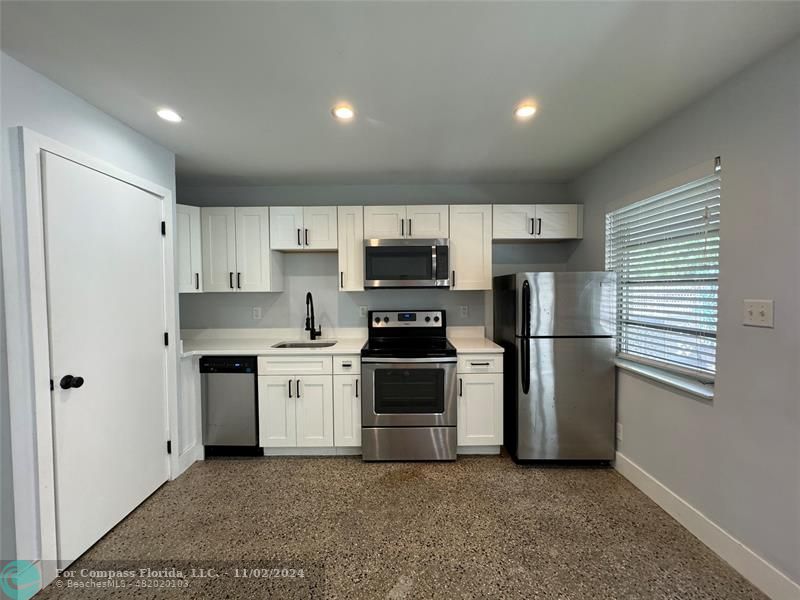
[
  {"x": 290, "y": 364},
  {"x": 480, "y": 363},
  {"x": 347, "y": 364}
]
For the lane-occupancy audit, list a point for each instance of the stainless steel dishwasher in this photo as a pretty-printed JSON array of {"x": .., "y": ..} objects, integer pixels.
[{"x": 230, "y": 401}]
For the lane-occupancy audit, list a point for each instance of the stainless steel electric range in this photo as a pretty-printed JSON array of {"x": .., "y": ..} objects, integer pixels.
[{"x": 408, "y": 369}]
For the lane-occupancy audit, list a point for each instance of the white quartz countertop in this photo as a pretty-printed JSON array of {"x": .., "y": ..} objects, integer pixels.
[{"x": 229, "y": 342}]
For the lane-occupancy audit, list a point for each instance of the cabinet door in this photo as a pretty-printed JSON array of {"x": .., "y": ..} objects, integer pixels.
[
  {"x": 388, "y": 222},
  {"x": 347, "y": 410},
  {"x": 252, "y": 249},
  {"x": 319, "y": 224},
  {"x": 557, "y": 221},
  {"x": 427, "y": 221},
  {"x": 471, "y": 246},
  {"x": 286, "y": 227},
  {"x": 315, "y": 411},
  {"x": 513, "y": 221},
  {"x": 188, "y": 258},
  {"x": 351, "y": 248},
  {"x": 277, "y": 421},
  {"x": 480, "y": 409},
  {"x": 219, "y": 248}
]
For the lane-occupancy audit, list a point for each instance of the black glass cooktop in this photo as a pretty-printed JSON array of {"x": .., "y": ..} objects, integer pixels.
[{"x": 410, "y": 347}]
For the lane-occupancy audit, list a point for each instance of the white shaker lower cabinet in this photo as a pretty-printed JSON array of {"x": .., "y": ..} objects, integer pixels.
[
  {"x": 314, "y": 401},
  {"x": 471, "y": 247},
  {"x": 351, "y": 248},
  {"x": 295, "y": 411},
  {"x": 480, "y": 401},
  {"x": 277, "y": 416},
  {"x": 347, "y": 411}
]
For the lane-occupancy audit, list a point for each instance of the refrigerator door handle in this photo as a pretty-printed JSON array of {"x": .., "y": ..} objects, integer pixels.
[
  {"x": 525, "y": 309},
  {"x": 525, "y": 365}
]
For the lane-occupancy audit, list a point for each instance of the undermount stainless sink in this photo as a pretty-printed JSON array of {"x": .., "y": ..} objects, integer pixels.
[{"x": 314, "y": 344}]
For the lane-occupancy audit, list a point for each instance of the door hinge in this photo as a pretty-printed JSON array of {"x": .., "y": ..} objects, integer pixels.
[
  {"x": 163, "y": 228},
  {"x": 166, "y": 338},
  {"x": 169, "y": 446}
]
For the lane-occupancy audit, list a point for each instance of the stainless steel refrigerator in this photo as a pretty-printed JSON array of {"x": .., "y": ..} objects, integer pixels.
[{"x": 557, "y": 330}]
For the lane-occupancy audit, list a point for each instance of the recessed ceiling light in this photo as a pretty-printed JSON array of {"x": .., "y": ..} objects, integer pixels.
[
  {"x": 343, "y": 112},
  {"x": 525, "y": 110},
  {"x": 169, "y": 115}
]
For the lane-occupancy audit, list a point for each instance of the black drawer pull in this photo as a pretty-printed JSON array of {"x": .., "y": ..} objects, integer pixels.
[
  {"x": 230, "y": 279},
  {"x": 197, "y": 281},
  {"x": 460, "y": 386},
  {"x": 480, "y": 364},
  {"x": 290, "y": 388},
  {"x": 356, "y": 388}
]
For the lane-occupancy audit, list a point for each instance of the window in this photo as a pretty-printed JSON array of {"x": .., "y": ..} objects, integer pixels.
[{"x": 665, "y": 251}]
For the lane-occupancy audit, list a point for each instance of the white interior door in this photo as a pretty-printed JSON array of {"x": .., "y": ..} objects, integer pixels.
[
  {"x": 286, "y": 227},
  {"x": 219, "y": 248},
  {"x": 252, "y": 249},
  {"x": 320, "y": 227},
  {"x": 315, "y": 411},
  {"x": 105, "y": 293},
  {"x": 428, "y": 221},
  {"x": 187, "y": 258}
]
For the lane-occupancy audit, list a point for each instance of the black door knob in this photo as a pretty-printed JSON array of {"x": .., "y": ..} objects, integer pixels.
[{"x": 68, "y": 381}]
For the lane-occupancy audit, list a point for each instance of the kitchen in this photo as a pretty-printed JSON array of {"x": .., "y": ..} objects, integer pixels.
[{"x": 537, "y": 334}]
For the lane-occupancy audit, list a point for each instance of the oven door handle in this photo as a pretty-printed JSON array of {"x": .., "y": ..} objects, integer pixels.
[{"x": 394, "y": 361}]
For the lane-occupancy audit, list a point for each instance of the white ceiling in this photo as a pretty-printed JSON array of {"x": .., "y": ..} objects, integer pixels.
[{"x": 434, "y": 84}]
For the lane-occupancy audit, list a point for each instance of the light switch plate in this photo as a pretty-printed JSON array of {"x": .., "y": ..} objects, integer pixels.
[
  {"x": 759, "y": 313},
  {"x": 464, "y": 310},
  {"x": 363, "y": 310},
  {"x": 257, "y": 314}
]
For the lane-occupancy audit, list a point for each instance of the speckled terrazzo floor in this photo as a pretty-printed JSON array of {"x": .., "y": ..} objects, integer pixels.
[{"x": 478, "y": 528}]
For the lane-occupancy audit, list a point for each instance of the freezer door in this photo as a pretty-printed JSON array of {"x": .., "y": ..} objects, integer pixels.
[
  {"x": 565, "y": 399},
  {"x": 565, "y": 304}
]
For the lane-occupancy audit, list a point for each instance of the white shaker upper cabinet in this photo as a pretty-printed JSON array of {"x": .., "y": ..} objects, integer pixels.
[
  {"x": 384, "y": 222},
  {"x": 219, "y": 248},
  {"x": 431, "y": 221},
  {"x": 514, "y": 221},
  {"x": 286, "y": 227},
  {"x": 252, "y": 249},
  {"x": 559, "y": 221},
  {"x": 189, "y": 252},
  {"x": 351, "y": 248},
  {"x": 319, "y": 228},
  {"x": 471, "y": 247}
]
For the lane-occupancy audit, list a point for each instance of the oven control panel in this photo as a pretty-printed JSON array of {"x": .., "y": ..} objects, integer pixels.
[{"x": 413, "y": 318}]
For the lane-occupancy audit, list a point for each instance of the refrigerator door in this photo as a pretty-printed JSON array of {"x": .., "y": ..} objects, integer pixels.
[
  {"x": 565, "y": 304},
  {"x": 565, "y": 406}
]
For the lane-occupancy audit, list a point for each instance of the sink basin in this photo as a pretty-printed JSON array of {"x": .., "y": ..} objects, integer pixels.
[{"x": 309, "y": 344}]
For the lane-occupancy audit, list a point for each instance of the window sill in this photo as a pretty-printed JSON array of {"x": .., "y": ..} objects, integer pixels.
[{"x": 681, "y": 382}]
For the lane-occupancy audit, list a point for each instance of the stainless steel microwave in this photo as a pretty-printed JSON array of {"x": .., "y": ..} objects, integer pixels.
[{"x": 406, "y": 263}]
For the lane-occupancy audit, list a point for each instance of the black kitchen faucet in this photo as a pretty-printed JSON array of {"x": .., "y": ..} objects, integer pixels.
[{"x": 315, "y": 333}]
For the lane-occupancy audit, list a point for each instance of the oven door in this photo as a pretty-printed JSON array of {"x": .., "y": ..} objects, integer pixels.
[
  {"x": 408, "y": 392},
  {"x": 406, "y": 263}
]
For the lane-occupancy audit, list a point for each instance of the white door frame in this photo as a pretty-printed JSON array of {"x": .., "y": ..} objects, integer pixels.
[{"x": 27, "y": 328}]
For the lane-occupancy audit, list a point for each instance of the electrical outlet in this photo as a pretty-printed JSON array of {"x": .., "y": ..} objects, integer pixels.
[
  {"x": 363, "y": 311},
  {"x": 257, "y": 313},
  {"x": 463, "y": 310},
  {"x": 619, "y": 432},
  {"x": 759, "y": 313}
]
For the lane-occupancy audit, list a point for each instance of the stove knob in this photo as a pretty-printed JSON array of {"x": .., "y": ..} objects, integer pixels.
[
  {"x": 436, "y": 319},
  {"x": 377, "y": 319},
  {"x": 385, "y": 319},
  {"x": 427, "y": 319}
]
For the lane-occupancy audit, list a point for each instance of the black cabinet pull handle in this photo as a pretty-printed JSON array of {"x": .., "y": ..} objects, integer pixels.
[
  {"x": 347, "y": 365},
  {"x": 460, "y": 386},
  {"x": 409, "y": 228},
  {"x": 540, "y": 227},
  {"x": 197, "y": 281},
  {"x": 297, "y": 387},
  {"x": 402, "y": 228},
  {"x": 479, "y": 364},
  {"x": 356, "y": 388},
  {"x": 230, "y": 279},
  {"x": 453, "y": 283},
  {"x": 306, "y": 237},
  {"x": 290, "y": 388},
  {"x": 341, "y": 279},
  {"x": 239, "y": 280},
  {"x": 299, "y": 243},
  {"x": 68, "y": 381},
  {"x": 533, "y": 226}
]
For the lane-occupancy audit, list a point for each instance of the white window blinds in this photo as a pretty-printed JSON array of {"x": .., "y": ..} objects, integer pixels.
[{"x": 665, "y": 251}]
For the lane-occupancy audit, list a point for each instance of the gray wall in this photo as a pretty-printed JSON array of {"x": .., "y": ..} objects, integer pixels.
[
  {"x": 317, "y": 272},
  {"x": 736, "y": 459},
  {"x": 35, "y": 102}
]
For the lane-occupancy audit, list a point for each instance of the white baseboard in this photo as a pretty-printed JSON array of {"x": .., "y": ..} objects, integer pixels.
[
  {"x": 478, "y": 450},
  {"x": 758, "y": 571},
  {"x": 312, "y": 451}
]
